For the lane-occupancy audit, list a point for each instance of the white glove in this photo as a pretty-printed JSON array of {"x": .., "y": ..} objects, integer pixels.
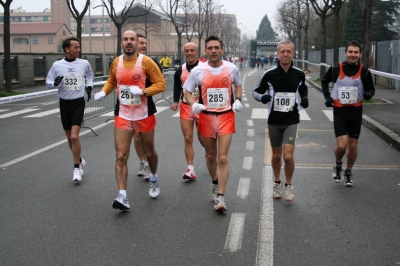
[
  {"x": 197, "y": 108},
  {"x": 237, "y": 106},
  {"x": 135, "y": 90},
  {"x": 99, "y": 96}
]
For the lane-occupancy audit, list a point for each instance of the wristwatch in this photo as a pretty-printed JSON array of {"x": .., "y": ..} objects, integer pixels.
[{"x": 144, "y": 92}]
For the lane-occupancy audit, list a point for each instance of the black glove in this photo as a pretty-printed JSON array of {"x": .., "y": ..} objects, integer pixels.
[
  {"x": 328, "y": 102},
  {"x": 58, "y": 80},
  {"x": 304, "y": 102},
  {"x": 89, "y": 92},
  {"x": 367, "y": 95},
  {"x": 266, "y": 99}
]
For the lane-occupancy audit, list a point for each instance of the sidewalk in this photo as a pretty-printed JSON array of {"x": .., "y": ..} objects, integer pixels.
[{"x": 383, "y": 119}]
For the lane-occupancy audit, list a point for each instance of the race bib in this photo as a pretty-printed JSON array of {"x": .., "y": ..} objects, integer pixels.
[
  {"x": 348, "y": 95},
  {"x": 125, "y": 96},
  {"x": 284, "y": 101},
  {"x": 72, "y": 81},
  {"x": 217, "y": 98}
]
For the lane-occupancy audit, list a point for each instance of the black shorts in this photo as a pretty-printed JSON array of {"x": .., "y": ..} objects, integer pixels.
[
  {"x": 282, "y": 134},
  {"x": 347, "y": 121},
  {"x": 71, "y": 112}
]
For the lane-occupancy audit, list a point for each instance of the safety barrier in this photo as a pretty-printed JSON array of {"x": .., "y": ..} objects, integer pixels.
[{"x": 169, "y": 91}]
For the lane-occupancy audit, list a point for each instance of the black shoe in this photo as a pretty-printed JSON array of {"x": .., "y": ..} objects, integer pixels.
[
  {"x": 348, "y": 179},
  {"x": 337, "y": 173}
]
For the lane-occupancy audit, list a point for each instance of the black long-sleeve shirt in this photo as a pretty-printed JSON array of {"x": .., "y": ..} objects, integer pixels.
[
  {"x": 277, "y": 80},
  {"x": 178, "y": 83},
  {"x": 349, "y": 70}
]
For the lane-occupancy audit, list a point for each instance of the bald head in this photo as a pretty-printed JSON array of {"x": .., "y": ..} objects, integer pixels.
[
  {"x": 190, "y": 51},
  {"x": 129, "y": 43}
]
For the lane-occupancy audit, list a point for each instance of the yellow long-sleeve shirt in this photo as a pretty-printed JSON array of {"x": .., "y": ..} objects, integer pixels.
[{"x": 150, "y": 69}]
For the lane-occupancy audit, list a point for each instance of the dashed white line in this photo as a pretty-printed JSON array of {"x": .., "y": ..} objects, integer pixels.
[
  {"x": 243, "y": 187},
  {"x": 247, "y": 163},
  {"x": 250, "y": 132},
  {"x": 233, "y": 240},
  {"x": 18, "y": 112},
  {"x": 249, "y": 145},
  {"x": 250, "y": 123}
]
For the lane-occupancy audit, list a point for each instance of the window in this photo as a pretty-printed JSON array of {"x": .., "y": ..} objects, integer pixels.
[
  {"x": 107, "y": 20},
  {"x": 51, "y": 40},
  {"x": 1, "y": 18},
  {"x": 93, "y": 29},
  {"x": 93, "y": 20},
  {"x": 20, "y": 41},
  {"x": 35, "y": 40},
  {"x": 63, "y": 32},
  {"x": 46, "y": 18},
  {"x": 35, "y": 19},
  {"x": 28, "y": 19}
]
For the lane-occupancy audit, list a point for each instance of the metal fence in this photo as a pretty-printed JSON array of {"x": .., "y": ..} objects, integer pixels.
[
  {"x": 39, "y": 67},
  {"x": 169, "y": 79}
]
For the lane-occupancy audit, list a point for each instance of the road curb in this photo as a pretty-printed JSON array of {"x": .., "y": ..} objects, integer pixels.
[{"x": 392, "y": 138}]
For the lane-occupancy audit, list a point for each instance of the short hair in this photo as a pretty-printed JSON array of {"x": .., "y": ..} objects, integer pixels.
[
  {"x": 353, "y": 43},
  {"x": 67, "y": 42},
  {"x": 140, "y": 36},
  {"x": 285, "y": 42},
  {"x": 214, "y": 38}
]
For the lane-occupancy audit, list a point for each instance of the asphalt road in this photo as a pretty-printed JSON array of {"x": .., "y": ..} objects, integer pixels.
[{"x": 46, "y": 219}]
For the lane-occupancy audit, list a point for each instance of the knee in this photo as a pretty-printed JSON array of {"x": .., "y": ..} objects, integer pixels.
[
  {"x": 74, "y": 139},
  {"x": 341, "y": 147},
  {"x": 210, "y": 157},
  {"x": 188, "y": 139},
  {"x": 288, "y": 158},
  {"x": 222, "y": 160},
  {"x": 276, "y": 157},
  {"x": 352, "y": 148},
  {"x": 122, "y": 157}
]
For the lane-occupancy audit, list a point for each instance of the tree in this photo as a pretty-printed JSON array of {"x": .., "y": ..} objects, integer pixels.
[
  {"x": 336, "y": 6},
  {"x": 7, "y": 47},
  {"x": 78, "y": 17},
  {"x": 120, "y": 18},
  {"x": 383, "y": 13},
  {"x": 323, "y": 13},
  {"x": 265, "y": 31},
  {"x": 353, "y": 29}
]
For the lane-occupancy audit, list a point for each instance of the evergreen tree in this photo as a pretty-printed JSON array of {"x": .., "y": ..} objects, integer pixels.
[
  {"x": 353, "y": 27},
  {"x": 383, "y": 13},
  {"x": 265, "y": 31}
]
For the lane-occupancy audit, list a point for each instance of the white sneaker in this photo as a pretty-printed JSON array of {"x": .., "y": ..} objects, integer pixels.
[
  {"x": 154, "y": 190},
  {"x": 140, "y": 172},
  {"x": 77, "y": 174},
  {"x": 277, "y": 192},
  {"x": 288, "y": 194},
  {"x": 214, "y": 193},
  {"x": 146, "y": 172},
  {"x": 220, "y": 204},
  {"x": 81, "y": 165}
]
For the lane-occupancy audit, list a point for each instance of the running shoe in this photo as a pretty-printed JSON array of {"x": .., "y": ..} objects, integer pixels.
[
  {"x": 214, "y": 193},
  {"x": 81, "y": 165},
  {"x": 189, "y": 174},
  {"x": 337, "y": 173},
  {"x": 348, "y": 179},
  {"x": 140, "y": 172},
  {"x": 77, "y": 174},
  {"x": 277, "y": 192},
  {"x": 146, "y": 172},
  {"x": 121, "y": 202},
  {"x": 220, "y": 204},
  {"x": 154, "y": 190},
  {"x": 288, "y": 193}
]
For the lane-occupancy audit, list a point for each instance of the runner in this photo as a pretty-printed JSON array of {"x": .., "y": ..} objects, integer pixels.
[
  {"x": 188, "y": 118},
  {"x": 136, "y": 110},
  {"x": 284, "y": 83},
  {"x": 68, "y": 75},
  {"x": 352, "y": 82},
  {"x": 216, "y": 105}
]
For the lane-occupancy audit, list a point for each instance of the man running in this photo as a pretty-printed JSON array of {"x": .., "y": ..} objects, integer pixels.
[
  {"x": 216, "y": 118},
  {"x": 136, "y": 110},
  {"x": 188, "y": 118},
  {"x": 284, "y": 83},
  {"x": 69, "y": 75},
  {"x": 352, "y": 83}
]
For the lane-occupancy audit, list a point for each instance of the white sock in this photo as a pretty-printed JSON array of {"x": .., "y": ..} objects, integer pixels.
[
  {"x": 190, "y": 167},
  {"x": 122, "y": 192},
  {"x": 146, "y": 164},
  {"x": 153, "y": 178}
]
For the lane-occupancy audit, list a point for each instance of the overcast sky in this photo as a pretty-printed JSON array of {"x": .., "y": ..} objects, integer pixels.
[{"x": 248, "y": 12}]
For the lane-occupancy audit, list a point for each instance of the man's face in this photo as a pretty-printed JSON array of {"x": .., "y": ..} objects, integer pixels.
[
  {"x": 142, "y": 45},
  {"x": 285, "y": 54},
  {"x": 190, "y": 53},
  {"x": 72, "y": 52},
  {"x": 214, "y": 51},
  {"x": 353, "y": 55},
  {"x": 129, "y": 43}
]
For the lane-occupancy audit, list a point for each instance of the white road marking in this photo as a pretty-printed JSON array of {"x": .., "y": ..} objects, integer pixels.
[
  {"x": 243, "y": 188},
  {"x": 265, "y": 246},
  {"x": 233, "y": 240},
  {"x": 249, "y": 145},
  {"x": 178, "y": 114},
  {"x": 246, "y": 105},
  {"x": 304, "y": 115},
  {"x": 329, "y": 114},
  {"x": 3, "y": 110},
  {"x": 259, "y": 113},
  {"x": 23, "y": 111},
  {"x": 250, "y": 132},
  {"x": 247, "y": 163},
  {"x": 111, "y": 113},
  {"x": 250, "y": 123},
  {"x": 41, "y": 114},
  {"x": 244, "y": 98}
]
